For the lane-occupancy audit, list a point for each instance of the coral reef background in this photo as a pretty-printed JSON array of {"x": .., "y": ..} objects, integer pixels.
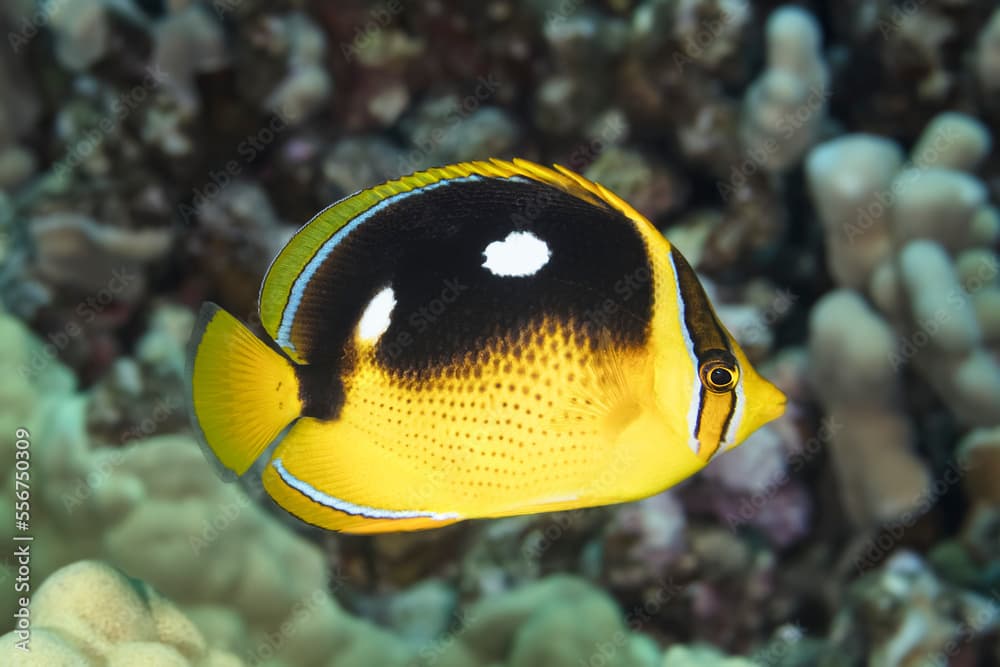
[{"x": 828, "y": 168}]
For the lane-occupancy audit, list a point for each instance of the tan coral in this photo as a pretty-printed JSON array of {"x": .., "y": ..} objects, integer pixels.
[
  {"x": 850, "y": 180},
  {"x": 987, "y": 57},
  {"x": 89, "y": 613},
  {"x": 156, "y": 509},
  {"x": 919, "y": 241},
  {"x": 979, "y": 453},
  {"x": 852, "y": 351},
  {"x": 784, "y": 108}
]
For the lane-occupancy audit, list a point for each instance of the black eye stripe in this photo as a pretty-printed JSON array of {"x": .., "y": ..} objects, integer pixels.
[
  {"x": 710, "y": 342},
  {"x": 708, "y": 337}
]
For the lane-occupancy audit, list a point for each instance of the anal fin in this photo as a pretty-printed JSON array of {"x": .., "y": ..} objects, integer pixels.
[{"x": 328, "y": 474}]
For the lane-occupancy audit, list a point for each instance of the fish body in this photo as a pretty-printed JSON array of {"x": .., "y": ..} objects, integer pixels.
[{"x": 484, "y": 339}]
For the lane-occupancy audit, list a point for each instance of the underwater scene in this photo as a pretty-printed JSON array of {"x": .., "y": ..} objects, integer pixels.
[{"x": 512, "y": 333}]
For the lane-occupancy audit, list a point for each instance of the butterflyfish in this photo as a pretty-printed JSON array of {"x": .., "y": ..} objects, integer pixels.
[{"x": 482, "y": 339}]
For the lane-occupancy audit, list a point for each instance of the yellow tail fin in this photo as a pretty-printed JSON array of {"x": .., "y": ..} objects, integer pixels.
[{"x": 243, "y": 393}]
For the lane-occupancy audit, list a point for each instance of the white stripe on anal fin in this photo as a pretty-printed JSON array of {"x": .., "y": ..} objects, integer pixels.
[{"x": 346, "y": 507}]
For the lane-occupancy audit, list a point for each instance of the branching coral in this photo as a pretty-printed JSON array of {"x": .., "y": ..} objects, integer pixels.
[
  {"x": 784, "y": 109},
  {"x": 918, "y": 241},
  {"x": 851, "y": 349}
]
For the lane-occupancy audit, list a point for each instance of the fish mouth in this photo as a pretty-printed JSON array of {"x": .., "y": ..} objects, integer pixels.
[{"x": 772, "y": 405}]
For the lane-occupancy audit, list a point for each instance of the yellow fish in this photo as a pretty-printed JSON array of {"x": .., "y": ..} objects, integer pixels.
[{"x": 483, "y": 339}]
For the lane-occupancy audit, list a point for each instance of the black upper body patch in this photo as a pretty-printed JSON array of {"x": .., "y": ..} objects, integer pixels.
[{"x": 428, "y": 246}]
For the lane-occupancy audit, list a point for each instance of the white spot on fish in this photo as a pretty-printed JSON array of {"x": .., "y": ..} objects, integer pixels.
[
  {"x": 377, "y": 315},
  {"x": 520, "y": 254}
]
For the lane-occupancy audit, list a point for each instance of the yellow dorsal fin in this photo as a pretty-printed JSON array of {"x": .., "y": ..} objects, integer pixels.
[{"x": 300, "y": 250}]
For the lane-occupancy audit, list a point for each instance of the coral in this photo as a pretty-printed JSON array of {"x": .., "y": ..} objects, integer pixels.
[
  {"x": 650, "y": 187},
  {"x": 979, "y": 452},
  {"x": 988, "y": 55},
  {"x": 904, "y": 615},
  {"x": 139, "y": 394},
  {"x": 306, "y": 85},
  {"x": 19, "y": 111},
  {"x": 952, "y": 141},
  {"x": 784, "y": 108},
  {"x": 74, "y": 252},
  {"x": 707, "y": 34},
  {"x": 239, "y": 234},
  {"x": 81, "y": 30},
  {"x": 422, "y": 613},
  {"x": 698, "y": 656},
  {"x": 848, "y": 179},
  {"x": 753, "y": 485},
  {"x": 352, "y": 163},
  {"x": 80, "y": 280},
  {"x": 154, "y": 508},
  {"x": 179, "y": 143},
  {"x": 950, "y": 354},
  {"x": 187, "y": 42},
  {"x": 918, "y": 239},
  {"x": 851, "y": 352},
  {"x": 558, "y": 621},
  {"x": 643, "y": 538},
  {"x": 88, "y": 613},
  {"x": 452, "y": 129}
]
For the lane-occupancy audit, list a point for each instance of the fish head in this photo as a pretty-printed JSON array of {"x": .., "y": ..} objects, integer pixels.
[
  {"x": 723, "y": 399},
  {"x": 730, "y": 400}
]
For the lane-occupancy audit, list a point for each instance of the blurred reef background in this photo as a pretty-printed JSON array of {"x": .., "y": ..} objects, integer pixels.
[{"x": 828, "y": 167}]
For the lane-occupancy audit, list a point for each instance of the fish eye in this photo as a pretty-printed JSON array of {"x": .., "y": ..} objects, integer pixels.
[{"x": 719, "y": 376}]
